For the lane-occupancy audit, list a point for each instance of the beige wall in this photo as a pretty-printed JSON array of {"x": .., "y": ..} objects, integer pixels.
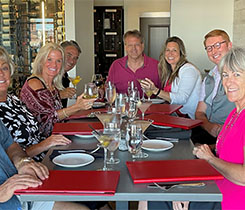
[
  {"x": 192, "y": 19},
  {"x": 134, "y": 8},
  {"x": 239, "y": 23}
]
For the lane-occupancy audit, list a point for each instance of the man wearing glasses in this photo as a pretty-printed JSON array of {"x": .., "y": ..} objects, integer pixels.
[
  {"x": 213, "y": 107},
  {"x": 72, "y": 52}
]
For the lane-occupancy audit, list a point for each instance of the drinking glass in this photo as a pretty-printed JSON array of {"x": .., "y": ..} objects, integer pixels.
[
  {"x": 131, "y": 110},
  {"x": 143, "y": 106},
  {"x": 120, "y": 104},
  {"x": 74, "y": 82},
  {"x": 113, "y": 128},
  {"x": 110, "y": 95},
  {"x": 90, "y": 91},
  {"x": 98, "y": 80},
  {"x": 134, "y": 139},
  {"x": 105, "y": 139}
]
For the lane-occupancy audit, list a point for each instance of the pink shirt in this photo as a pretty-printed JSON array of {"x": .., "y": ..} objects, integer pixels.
[
  {"x": 230, "y": 148},
  {"x": 120, "y": 74}
]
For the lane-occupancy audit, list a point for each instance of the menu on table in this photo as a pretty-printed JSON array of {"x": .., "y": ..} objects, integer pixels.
[
  {"x": 81, "y": 128},
  {"x": 173, "y": 121},
  {"x": 77, "y": 183},
  {"x": 171, "y": 171},
  {"x": 163, "y": 108}
]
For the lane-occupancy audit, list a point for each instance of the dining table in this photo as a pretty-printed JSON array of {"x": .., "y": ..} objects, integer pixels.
[{"x": 126, "y": 190}]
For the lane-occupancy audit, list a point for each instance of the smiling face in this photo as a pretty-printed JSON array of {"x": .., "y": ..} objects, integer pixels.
[
  {"x": 216, "y": 54},
  {"x": 4, "y": 77},
  {"x": 234, "y": 85},
  {"x": 172, "y": 54},
  {"x": 53, "y": 64},
  {"x": 134, "y": 47},
  {"x": 71, "y": 57}
]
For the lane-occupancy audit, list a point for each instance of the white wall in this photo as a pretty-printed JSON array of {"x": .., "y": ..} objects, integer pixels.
[
  {"x": 80, "y": 28},
  {"x": 192, "y": 19}
]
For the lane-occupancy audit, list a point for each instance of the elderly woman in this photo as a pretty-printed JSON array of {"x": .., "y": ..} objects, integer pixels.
[
  {"x": 21, "y": 123},
  {"x": 40, "y": 92},
  {"x": 181, "y": 81},
  {"x": 230, "y": 147}
]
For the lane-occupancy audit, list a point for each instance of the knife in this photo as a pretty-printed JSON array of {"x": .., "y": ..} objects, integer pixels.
[
  {"x": 168, "y": 139},
  {"x": 169, "y": 186}
]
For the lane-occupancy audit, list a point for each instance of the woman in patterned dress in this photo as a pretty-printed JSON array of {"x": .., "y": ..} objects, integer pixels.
[{"x": 40, "y": 92}]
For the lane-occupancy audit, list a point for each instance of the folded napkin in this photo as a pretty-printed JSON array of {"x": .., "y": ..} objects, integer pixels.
[{"x": 98, "y": 154}]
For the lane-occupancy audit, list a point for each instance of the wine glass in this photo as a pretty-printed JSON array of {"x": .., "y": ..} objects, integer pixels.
[
  {"x": 90, "y": 91},
  {"x": 110, "y": 95},
  {"x": 134, "y": 139},
  {"x": 74, "y": 82},
  {"x": 149, "y": 93},
  {"x": 98, "y": 80},
  {"x": 105, "y": 139},
  {"x": 143, "y": 106}
]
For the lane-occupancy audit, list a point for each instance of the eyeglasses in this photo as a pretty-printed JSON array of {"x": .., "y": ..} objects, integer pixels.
[{"x": 216, "y": 46}]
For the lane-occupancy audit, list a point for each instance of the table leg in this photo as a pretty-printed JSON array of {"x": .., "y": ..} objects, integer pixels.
[{"x": 121, "y": 205}]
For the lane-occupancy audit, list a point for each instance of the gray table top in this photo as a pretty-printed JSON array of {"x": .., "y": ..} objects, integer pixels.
[{"x": 126, "y": 190}]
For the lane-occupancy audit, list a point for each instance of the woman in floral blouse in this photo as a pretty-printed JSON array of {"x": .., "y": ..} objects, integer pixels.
[{"x": 22, "y": 125}]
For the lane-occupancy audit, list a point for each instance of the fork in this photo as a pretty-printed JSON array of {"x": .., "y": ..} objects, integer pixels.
[
  {"x": 78, "y": 150},
  {"x": 170, "y": 186}
]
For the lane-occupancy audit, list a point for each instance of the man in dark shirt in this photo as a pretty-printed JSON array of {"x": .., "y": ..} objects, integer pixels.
[{"x": 72, "y": 52}]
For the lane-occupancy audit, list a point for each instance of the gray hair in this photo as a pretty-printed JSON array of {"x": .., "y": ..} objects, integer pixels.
[
  {"x": 42, "y": 57},
  {"x": 234, "y": 60},
  {"x": 73, "y": 43},
  {"x": 4, "y": 56}
]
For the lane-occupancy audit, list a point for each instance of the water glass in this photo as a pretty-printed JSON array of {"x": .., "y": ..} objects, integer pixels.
[{"x": 134, "y": 138}]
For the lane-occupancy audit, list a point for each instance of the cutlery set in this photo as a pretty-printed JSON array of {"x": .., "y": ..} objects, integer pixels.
[{"x": 170, "y": 186}]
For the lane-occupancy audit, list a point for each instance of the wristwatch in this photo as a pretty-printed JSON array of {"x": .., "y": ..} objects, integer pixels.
[{"x": 24, "y": 159}]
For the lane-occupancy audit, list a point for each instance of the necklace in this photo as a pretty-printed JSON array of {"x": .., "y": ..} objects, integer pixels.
[{"x": 222, "y": 136}]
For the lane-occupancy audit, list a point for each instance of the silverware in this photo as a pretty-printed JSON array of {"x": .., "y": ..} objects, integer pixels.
[
  {"x": 78, "y": 150},
  {"x": 168, "y": 139},
  {"x": 170, "y": 186}
]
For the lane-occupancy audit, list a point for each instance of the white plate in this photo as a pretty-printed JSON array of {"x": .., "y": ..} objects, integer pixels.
[
  {"x": 157, "y": 100},
  {"x": 161, "y": 126},
  {"x": 156, "y": 145},
  {"x": 98, "y": 104},
  {"x": 73, "y": 160},
  {"x": 84, "y": 136}
]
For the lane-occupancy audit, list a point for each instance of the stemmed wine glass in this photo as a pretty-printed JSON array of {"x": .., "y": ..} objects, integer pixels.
[
  {"x": 110, "y": 95},
  {"x": 105, "y": 139},
  {"x": 74, "y": 82},
  {"x": 97, "y": 79}
]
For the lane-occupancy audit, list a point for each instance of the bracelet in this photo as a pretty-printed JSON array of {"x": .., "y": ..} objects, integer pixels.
[
  {"x": 24, "y": 160},
  {"x": 64, "y": 113},
  {"x": 159, "y": 90}
]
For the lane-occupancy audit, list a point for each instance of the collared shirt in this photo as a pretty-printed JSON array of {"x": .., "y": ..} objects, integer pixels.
[
  {"x": 216, "y": 75},
  {"x": 120, "y": 74}
]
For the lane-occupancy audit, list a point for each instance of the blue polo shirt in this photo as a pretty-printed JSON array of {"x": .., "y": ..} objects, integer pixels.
[{"x": 7, "y": 169}]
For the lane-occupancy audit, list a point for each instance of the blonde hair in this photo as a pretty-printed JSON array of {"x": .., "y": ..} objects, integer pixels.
[
  {"x": 164, "y": 68},
  {"x": 41, "y": 59},
  {"x": 4, "y": 56}
]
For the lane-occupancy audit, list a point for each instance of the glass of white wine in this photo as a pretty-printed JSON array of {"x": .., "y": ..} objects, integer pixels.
[{"x": 90, "y": 91}]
